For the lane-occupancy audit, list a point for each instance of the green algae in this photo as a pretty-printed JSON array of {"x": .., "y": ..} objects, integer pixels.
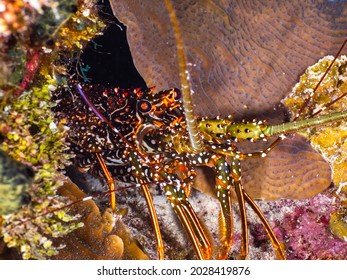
[
  {"x": 15, "y": 179},
  {"x": 29, "y": 131},
  {"x": 338, "y": 224},
  {"x": 32, "y": 136}
]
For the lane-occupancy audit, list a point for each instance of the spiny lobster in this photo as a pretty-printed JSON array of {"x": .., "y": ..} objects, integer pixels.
[{"x": 144, "y": 137}]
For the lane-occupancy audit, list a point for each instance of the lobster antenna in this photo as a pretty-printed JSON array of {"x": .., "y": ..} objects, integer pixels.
[
  {"x": 192, "y": 125},
  {"x": 320, "y": 81}
]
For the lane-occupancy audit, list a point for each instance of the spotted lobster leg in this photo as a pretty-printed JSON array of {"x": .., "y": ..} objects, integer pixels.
[
  {"x": 111, "y": 183},
  {"x": 223, "y": 187},
  {"x": 148, "y": 198},
  {"x": 243, "y": 197},
  {"x": 154, "y": 220},
  {"x": 275, "y": 243},
  {"x": 177, "y": 197},
  {"x": 179, "y": 202},
  {"x": 228, "y": 178}
]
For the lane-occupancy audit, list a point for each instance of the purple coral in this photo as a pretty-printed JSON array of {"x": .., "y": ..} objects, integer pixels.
[{"x": 303, "y": 226}]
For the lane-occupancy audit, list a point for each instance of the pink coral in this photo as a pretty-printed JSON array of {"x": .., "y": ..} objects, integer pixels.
[
  {"x": 302, "y": 226},
  {"x": 307, "y": 231}
]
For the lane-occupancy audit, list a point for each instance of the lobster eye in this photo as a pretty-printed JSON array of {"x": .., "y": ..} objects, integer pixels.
[
  {"x": 177, "y": 94},
  {"x": 144, "y": 106}
]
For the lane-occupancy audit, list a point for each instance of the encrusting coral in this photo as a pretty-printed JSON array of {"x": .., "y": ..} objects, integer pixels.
[
  {"x": 102, "y": 236},
  {"x": 329, "y": 140}
]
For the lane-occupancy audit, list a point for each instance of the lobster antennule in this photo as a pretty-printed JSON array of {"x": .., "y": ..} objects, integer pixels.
[{"x": 321, "y": 80}]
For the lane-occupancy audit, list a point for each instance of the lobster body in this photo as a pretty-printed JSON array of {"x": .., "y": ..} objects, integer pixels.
[{"x": 133, "y": 112}]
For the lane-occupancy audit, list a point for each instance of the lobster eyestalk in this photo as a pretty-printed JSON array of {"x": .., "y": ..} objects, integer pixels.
[{"x": 225, "y": 129}]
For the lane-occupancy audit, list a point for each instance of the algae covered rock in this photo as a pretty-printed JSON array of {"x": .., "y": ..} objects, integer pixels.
[
  {"x": 34, "y": 48},
  {"x": 15, "y": 179},
  {"x": 330, "y": 140}
]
